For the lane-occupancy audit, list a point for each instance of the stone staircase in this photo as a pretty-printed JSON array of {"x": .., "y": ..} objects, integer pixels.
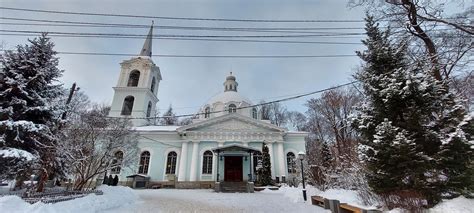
[{"x": 234, "y": 187}]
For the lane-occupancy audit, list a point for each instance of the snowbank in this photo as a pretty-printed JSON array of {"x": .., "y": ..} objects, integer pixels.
[
  {"x": 456, "y": 205},
  {"x": 344, "y": 196},
  {"x": 113, "y": 197}
]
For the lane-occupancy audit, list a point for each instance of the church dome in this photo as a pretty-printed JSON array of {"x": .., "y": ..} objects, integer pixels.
[
  {"x": 226, "y": 102},
  {"x": 228, "y": 97}
]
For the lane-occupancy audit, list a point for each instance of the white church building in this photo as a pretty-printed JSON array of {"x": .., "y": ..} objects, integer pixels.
[{"x": 222, "y": 145}]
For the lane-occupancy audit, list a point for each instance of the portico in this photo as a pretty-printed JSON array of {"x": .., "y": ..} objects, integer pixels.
[{"x": 232, "y": 158}]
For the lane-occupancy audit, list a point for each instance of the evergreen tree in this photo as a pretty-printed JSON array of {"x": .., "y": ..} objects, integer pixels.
[
  {"x": 106, "y": 180},
  {"x": 169, "y": 118},
  {"x": 410, "y": 123},
  {"x": 266, "y": 170},
  {"x": 115, "y": 181},
  {"x": 28, "y": 86},
  {"x": 110, "y": 180},
  {"x": 326, "y": 157}
]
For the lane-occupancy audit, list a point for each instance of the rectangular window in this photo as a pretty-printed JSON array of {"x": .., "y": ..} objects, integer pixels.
[{"x": 207, "y": 163}]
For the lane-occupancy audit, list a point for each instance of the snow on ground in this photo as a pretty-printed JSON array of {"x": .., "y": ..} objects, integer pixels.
[
  {"x": 201, "y": 200},
  {"x": 124, "y": 199},
  {"x": 456, "y": 205},
  {"x": 113, "y": 197},
  {"x": 344, "y": 196}
]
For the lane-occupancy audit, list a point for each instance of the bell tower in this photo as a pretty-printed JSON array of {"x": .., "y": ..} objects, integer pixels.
[{"x": 135, "y": 95}]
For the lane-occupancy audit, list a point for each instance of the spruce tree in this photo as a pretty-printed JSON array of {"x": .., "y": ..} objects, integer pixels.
[
  {"x": 410, "y": 124},
  {"x": 28, "y": 87},
  {"x": 169, "y": 117},
  {"x": 106, "y": 180},
  {"x": 115, "y": 181},
  {"x": 110, "y": 180},
  {"x": 266, "y": 172}
]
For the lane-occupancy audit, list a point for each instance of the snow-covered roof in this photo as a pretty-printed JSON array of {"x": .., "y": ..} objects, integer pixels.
[
  {"x": 156, "y": 128},
  {"x": 229, "y": 96}
]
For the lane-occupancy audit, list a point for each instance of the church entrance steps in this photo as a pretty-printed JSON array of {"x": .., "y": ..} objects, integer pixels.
[{"x": 234, "y": 187}]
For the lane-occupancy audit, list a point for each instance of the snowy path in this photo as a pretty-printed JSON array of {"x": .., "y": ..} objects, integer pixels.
[{"x": 172, "y": 200}]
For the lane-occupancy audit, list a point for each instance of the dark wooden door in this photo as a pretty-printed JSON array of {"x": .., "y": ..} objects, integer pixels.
[{"x": 233, "y": 169}]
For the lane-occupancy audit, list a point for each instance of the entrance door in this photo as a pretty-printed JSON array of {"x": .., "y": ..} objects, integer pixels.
[{"x": 233, "y": 169}]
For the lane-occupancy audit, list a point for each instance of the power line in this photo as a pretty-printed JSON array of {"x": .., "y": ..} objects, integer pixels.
[
  {"x": 183, "y": 36},
  {"x": 178, "y": 18},
  {"x": 250, "y": 106},
  {"x": 194, "y": 39},
  {"x": 173, "y": 28},
  {"x": 210, "y": 56},
  {"x": 103, "y": 24}
]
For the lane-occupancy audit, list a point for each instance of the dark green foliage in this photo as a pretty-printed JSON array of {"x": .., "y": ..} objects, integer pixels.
[
  {"x": 410, "y": 124},
  {"x": 325, "y": 155},
  {"x": 106, "y": 180},
  {"x": 115, "y": 181},
  {"x": 28, "y": 115},
  {"x": 266, "y": 170},
  {"x": 110, "y": 180}
]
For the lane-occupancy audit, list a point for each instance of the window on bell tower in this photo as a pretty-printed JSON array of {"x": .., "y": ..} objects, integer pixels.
[
  {"x": 153, "y": 82},
  {"x": 127, "y": 106},
  {"x": 148, "y": 110},
  {"x": 133, "y": 78}
]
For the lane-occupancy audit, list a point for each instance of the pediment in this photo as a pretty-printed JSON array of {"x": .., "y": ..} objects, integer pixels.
[{"x": 232, "y": 123}]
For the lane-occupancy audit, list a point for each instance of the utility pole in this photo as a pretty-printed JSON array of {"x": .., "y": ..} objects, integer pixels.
[{"x": 69, "y": 98}]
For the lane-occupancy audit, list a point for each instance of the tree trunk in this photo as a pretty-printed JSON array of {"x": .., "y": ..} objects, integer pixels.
[{"x": 42, "y": 180}]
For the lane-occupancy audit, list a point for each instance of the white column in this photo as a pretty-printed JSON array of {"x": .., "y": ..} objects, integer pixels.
[
  {"x": 281, "y": 159},
  {"x": 182, "y": 162},
  {"x": 194, "y": 161},
  {"x": 272, "y": 161}
]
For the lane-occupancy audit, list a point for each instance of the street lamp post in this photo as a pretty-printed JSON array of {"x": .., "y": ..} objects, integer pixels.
[{"x": 301, "y": 157}]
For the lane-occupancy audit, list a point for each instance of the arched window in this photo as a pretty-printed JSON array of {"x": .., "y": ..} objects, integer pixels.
[
  {"x": 171, "y": 163},
  {"x": 153, "y": 83},
  {"x": 257, "y": 159},
  {"x": 207, "y": 162},
  {"x": 291, "y": 162},
  {"x": 117, "y": 162},
  {"x": 133, "y": 78},
  {"x": 232, "y": 108},
  {"x": 254, "y": 113},
  {"x": 207, "y": 112},
  {"x": 128, "y": 105},
  {"x": 144, "y": 163},
  {"x": 148, "y": 110}
]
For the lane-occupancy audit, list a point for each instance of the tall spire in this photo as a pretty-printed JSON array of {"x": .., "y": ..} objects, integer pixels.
[{"x": 146, "y": 50}]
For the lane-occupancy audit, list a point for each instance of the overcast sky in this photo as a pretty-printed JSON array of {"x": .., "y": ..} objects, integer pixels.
[{"x": 189, "y": 82}]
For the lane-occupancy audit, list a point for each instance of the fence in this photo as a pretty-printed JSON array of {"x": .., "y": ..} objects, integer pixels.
[{"x": 52, "y": 195}]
